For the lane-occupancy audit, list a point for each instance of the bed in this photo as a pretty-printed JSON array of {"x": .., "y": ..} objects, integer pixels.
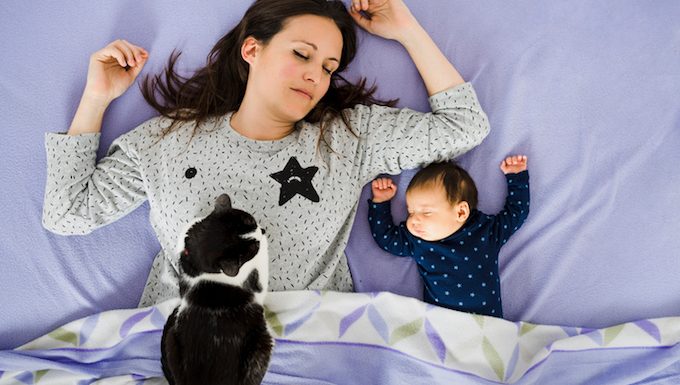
[{"x": 590, "y": 291}]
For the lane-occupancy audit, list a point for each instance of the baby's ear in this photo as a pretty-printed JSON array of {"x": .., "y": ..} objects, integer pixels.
[{"x": 462, "y": 211}]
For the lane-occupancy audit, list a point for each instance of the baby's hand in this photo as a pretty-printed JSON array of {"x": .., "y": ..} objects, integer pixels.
[
  {"x": 383, "y": 189},
  {"x": 514, "y": 164}
]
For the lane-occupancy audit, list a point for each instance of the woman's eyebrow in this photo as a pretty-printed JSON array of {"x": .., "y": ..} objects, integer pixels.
[{"x": 315, "y": 48}]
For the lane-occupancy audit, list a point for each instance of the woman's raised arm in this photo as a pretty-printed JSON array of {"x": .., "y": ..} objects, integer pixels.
[
  {"x": 391, "y": 19},
  {"x": 111, "y": 71}
]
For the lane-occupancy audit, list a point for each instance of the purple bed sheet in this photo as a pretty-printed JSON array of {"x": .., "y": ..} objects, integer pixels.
[{"x": 589, "y": 91}]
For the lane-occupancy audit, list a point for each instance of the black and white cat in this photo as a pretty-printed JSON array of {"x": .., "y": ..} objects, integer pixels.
[{"x": 218, "y": 333}]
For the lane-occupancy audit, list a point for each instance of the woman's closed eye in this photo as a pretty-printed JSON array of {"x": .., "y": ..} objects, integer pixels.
[
  {"x": 298, "y": 54},
  {"x": 305, "y": 58}
]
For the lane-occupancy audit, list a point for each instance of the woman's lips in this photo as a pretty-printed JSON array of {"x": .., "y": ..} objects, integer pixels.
[{"x": 303, "y": 93}]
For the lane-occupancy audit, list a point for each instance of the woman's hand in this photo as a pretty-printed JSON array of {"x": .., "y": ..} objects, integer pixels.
[
  {"x": 390, "y": 19},
  {"x": 112, "y": 70}
]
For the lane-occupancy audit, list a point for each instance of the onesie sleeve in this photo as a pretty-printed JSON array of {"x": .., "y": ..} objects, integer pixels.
[
  {"x": 82, "y": 195},
  {"x": 516, "y": 208},
  {"x": 389, "y": 237},
  {"x": 394, "y": 139}
]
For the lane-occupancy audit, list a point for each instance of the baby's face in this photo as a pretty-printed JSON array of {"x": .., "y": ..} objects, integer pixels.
[{"x": 430, "y": 215}]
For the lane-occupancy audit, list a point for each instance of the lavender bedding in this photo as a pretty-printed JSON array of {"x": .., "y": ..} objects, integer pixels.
[{"x": 588, "y": 91}]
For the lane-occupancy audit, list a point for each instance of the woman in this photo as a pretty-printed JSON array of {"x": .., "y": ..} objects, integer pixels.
[{"x": 268, "y": 121}]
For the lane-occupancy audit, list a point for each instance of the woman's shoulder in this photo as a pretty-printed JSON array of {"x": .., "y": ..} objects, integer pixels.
[
  {"x": 159, "y": 125},
  {"x": 147, "y": 128},
  {"x": 362, "y": 110},
  {"x": 165, "y": 132},
  {"x": 363, "y": 116},
  {"x": 162, "y": 128}
]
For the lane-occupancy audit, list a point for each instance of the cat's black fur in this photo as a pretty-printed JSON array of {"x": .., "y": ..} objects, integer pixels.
[{"x": 218, "y": 334}]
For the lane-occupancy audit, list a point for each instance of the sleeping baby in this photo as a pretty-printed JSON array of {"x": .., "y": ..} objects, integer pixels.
[{"x": 455, "y": 246}]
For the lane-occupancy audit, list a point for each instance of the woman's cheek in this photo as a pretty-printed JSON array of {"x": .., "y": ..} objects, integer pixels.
[{"x": 288, "y": 71}]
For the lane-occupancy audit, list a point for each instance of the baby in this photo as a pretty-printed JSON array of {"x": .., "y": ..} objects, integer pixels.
[{"x": 455, "y": 246}]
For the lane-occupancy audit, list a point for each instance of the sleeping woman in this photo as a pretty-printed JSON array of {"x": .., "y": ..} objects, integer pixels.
[{"x": 268, "y": 120}]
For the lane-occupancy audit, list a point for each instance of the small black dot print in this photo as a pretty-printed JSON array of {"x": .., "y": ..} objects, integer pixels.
[{"x": 190, "y": 173}]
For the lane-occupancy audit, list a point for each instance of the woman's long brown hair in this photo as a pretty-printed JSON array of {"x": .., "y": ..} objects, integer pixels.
[{"x": 219, "y": 87}]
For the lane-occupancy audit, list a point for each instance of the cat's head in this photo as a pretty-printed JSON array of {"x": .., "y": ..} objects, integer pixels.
[{"x": 226, "y": 242}]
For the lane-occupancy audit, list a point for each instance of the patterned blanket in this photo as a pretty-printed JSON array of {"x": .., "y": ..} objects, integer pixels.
[{"x": 362, "y": 338}]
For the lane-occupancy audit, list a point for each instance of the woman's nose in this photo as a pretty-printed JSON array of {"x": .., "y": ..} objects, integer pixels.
[{"x": 313, "y": 75}]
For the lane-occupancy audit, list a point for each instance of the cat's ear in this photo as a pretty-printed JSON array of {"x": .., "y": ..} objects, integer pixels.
[
  {"x": 222, "y": 203},
  {"x": 230, "y": 266}
]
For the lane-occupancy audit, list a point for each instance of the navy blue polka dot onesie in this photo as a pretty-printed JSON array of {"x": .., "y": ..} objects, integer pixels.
[{"x": 460, "y": 271}]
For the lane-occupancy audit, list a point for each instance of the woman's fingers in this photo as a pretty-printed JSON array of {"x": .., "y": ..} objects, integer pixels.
[
  {"x": 116, "y": 51},
  {"x": 110, "y": 52},
  {"x": 360, "y": 5},
  {"x": 139, "y": 52},
  {"x": 126, "y": 49},
  {"x": 132, "y": 54}
]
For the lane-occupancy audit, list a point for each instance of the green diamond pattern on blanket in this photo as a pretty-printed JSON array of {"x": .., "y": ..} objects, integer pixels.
[
  {"x": 273, "y": 321},
  {"x": 611, "y": 333},
  {"x": 65, "y": 336},
  {"x": 405, "y": 331},
  {"x": 493, "y": 358}
]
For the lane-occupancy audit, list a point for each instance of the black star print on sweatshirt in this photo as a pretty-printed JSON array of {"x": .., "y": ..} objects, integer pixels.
[{"x": 296, "y": 180}]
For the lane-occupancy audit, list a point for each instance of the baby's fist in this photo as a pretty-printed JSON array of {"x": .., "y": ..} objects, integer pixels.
[
  {"x": 383, "y": 189},
  {"x": 514, "y": 164}
]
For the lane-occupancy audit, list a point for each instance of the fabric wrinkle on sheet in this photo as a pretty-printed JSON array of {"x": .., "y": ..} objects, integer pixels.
[{"x": 82, "y": 195}]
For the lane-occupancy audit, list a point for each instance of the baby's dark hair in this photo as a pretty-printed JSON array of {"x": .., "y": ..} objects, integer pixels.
[{"x": 457, "y": 183}]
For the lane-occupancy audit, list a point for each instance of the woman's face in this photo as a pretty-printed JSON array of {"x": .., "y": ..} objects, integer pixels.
[{"x": 293, "y": 71}]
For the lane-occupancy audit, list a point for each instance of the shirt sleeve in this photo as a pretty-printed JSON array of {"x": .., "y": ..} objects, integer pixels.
[
  {"x": 394, "y": 139},
  {"x": 516, "y": 208},
  {"x": 82, "y": 195},
  {"x": 390, "y": 237}
]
